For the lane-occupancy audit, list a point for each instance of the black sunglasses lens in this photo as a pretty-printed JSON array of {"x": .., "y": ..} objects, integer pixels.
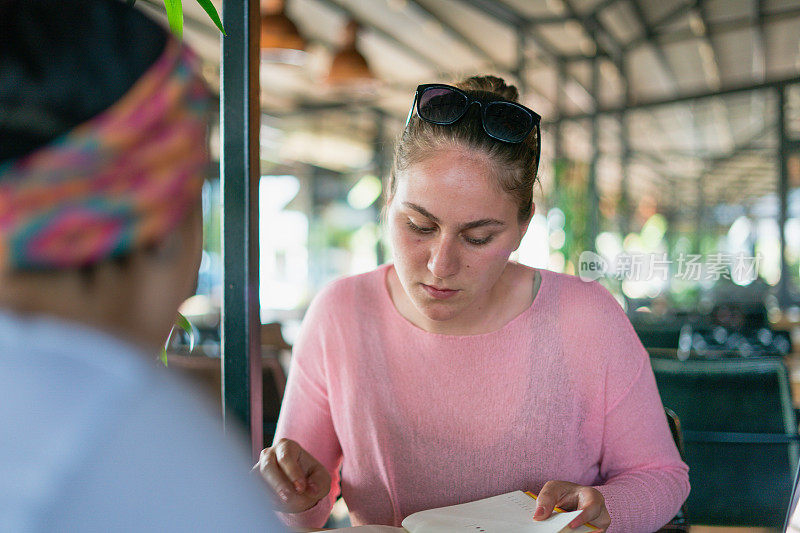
[
  {"x": 507, "y": 122},
  {"x": 441, "y": 105}
]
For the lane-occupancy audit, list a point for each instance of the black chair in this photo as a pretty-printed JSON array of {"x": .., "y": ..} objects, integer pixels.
[
  {"x": 680, "y": 523},
  {"x": 740, "y": 437},
  {"x": 658, "y": 335},
  {"x": 273, "y": 375}
]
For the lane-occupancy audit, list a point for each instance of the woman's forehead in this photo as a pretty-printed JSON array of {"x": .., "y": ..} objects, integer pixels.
[
  {"x": 453, "y": 196},
  {"x": 452, "y": 173}
]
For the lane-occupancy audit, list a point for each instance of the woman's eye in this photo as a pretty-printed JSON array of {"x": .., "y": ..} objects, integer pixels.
[
  {"x": 419, "y": 229},
  {"x": 478, "y": 242}
]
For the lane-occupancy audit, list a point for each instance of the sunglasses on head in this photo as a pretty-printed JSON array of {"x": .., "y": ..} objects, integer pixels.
[{"x": 502, "y": 120}]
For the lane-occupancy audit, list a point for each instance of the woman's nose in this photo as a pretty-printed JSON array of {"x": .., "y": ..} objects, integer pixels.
[{"x": 443, "y": 261}]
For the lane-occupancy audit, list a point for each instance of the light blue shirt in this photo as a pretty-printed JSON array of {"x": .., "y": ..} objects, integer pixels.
[{"x": 94, "y": 436}]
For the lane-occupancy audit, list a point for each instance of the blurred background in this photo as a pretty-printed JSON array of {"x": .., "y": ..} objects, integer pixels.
[
  {"x": 661, "y": 135},
  {"x": 670, "y": 173}
]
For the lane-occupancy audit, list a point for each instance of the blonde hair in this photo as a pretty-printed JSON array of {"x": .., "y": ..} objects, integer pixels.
[{"x": 517, "y": 163}]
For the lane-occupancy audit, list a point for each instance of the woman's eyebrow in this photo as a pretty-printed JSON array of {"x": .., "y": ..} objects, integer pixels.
[
  {"x": 421, "y": 210},
  {"x": 469, "y": 225},
  {"x": 482, "y": 222}
]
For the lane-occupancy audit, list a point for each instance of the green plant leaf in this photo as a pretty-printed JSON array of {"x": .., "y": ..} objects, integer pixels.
[
  {"x": 183, "y": 323},
  {"x": 212, "y": 12},
  {"x": 175, "y": 16}
]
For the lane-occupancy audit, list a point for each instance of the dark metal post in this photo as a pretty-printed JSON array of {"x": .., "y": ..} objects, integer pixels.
[
  {"x": 559, "y": 159},
  {"x": 380, "y": 161},
  {"x": 625, "y": 164},
  {"x": 240, "y": 116},
  {"x": 519, "y": 68},
  {"x": 594, "y": 198},
  {"x": 561, "y": 80},
  {"x": 701, "y": 214},
  {"x": 625, "y": 215},
  {"x": 783, "y": 194}
]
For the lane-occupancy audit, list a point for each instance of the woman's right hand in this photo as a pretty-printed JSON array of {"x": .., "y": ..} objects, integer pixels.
[{"x": 297, "y": 478}]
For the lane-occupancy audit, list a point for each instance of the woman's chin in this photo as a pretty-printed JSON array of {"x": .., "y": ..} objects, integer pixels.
[{"x": 438, "y": 311}]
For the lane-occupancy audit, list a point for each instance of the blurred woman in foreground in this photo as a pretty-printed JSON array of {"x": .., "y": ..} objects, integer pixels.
[{"x": 102, "y": 156}]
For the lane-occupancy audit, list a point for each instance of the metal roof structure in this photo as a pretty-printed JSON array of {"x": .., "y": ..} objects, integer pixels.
[
  {"x": 691, "y": 105},
  {"x": 686, "y": 91}
]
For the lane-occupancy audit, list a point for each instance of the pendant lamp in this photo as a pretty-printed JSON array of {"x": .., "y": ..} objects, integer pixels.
[
  {"x": 349, "y": 67},
  {"x": 281, "y": 42}
]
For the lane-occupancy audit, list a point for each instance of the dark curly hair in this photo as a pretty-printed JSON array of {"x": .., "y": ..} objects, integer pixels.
[{"x": 62, "y": 63}]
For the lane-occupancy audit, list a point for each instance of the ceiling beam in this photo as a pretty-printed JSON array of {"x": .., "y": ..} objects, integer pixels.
[
  {"x": 661, "y": 57},
  {"x": 594, "y": 27},
  {"x": 499, "y": 11},
  {"x": 674, "y": 14},
  {"x": 458, "y": 35},
  {"x": 717, "y": 28},
  {"x": 738, "y": 186},
  {"x": 686, "y": 97},
  {"x": 693, "y": 154},
  {"x": 651, "y": 158},
  {"x": 704, "y": 34},
  {"x": 511, "y": 17},
  {"x": 684, "y": 188},
  {"x": 439, "y": 67},
  {"x": 760, "y": 40},
  {"x": 455, "y": 33},
  {"x": 600, "y": 7},
  {"x": 720, "y": 161},
  {"x": 710, "y": 58},
  {"x": 712, "y": 164},
  {"x": 650, "y": 38}
]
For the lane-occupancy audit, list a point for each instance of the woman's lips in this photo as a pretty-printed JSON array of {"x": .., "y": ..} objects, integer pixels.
[{"x": 439, "y": 294}]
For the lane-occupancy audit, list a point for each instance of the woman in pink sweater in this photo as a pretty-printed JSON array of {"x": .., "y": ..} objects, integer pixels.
[{"x": 454, "y": 374}]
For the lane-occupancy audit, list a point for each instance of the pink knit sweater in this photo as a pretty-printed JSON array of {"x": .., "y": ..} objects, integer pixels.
[{"x": 417, "y": 420}]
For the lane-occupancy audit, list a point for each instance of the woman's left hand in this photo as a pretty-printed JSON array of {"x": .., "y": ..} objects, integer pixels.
[{"x": 571, "y": 497}]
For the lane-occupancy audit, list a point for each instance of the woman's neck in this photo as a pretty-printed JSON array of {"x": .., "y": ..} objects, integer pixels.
[{"x": 66, "y": 295}]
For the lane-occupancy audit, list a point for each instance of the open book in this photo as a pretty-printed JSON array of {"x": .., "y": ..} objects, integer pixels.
[{"x": 507, "y": 513}]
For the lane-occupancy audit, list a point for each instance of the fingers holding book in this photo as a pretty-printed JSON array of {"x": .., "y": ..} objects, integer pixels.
[
  {"x": 571, "y": 496},
  {"x": 298, "y": 480}
]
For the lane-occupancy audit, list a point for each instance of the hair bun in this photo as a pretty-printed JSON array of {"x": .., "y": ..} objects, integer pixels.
[{"x": 490, "y": 84}]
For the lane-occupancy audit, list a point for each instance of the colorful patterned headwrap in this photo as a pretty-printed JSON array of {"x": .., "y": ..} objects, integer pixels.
[{"x": 123, "y": 179}]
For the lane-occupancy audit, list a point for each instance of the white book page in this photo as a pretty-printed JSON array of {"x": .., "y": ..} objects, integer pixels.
[
  {"x": 506, "y": 513},
  {"x": 369, "y": 529}
]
